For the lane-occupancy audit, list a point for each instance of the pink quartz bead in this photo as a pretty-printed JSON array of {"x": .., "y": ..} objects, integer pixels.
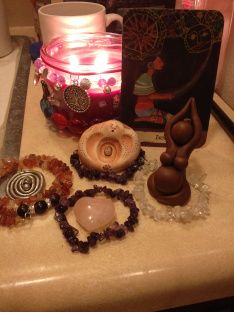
[
  {"x": 53, "y": 77},
  {"x": 94, "y": 213},
  {"x": 102, "y": 82},
  {"x": 111, "y": 81},
  {"x": 61, "y": 80},
  {"x": 38, "y": 63}
]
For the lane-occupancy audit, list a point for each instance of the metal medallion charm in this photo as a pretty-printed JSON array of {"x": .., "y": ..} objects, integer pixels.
[
  {"x": 107, "y": 89},
  {"x": 85, "y": 84},
  {"x": 24, "y": 184},
  {"x": 76, "y": 98}
]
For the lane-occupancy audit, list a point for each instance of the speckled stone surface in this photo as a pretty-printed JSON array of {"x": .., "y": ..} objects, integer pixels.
[
  {"x": 160, "y": 265},
  {"x": 14, "y": 126}
]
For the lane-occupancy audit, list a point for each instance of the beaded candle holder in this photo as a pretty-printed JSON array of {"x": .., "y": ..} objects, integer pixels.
[{"x": 81, "y": 79}]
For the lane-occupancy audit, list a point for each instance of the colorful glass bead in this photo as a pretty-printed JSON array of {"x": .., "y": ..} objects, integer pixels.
[
  {"x": 61, "y": 80},
  {"x": 111, "y": 81},
  {"x": 38, "y": 63},
  {"x": 52, "y": 77},
  {"x": 77, "y": 126},
  {"x": 102, "y": 82},
  {"x": 46, "y": 108},
  {"x": 60, "y": 120},
  {"x": 85, "y": 83},
  {"x": 41, "y": 69}
]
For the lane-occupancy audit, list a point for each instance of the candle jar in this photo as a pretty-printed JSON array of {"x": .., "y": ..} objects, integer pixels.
[{"x": 81, "y": 79}]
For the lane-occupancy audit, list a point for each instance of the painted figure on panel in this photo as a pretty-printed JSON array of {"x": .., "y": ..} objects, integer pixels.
[{"x": 145, "y": 90}]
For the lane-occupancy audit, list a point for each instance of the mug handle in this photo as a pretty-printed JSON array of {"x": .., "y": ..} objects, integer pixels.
[{"x": 111, "y": 17}]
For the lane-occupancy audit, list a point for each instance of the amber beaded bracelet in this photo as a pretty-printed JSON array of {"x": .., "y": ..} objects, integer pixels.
[
  {"x": 110, "y": 176},
  {"x": 116, "y": 231},
  {"x": 11, "y": 209}
]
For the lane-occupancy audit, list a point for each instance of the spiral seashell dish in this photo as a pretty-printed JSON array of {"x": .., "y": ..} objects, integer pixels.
[{"x": 110, "y": 145}]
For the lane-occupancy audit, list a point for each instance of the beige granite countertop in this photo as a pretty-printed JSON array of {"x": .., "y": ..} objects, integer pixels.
[{"x": 160, "y": 265}]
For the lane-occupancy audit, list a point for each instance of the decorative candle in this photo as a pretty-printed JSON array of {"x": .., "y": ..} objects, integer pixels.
[{"x": 81, "y": 79}]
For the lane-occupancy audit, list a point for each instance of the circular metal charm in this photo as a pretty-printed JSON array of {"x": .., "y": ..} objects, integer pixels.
[
  {"x": 107, "y": 89},
  {"x": 85, "y": 83},
  {"x": 76, "y": 99},
  {"x": 24, "y": 184}
]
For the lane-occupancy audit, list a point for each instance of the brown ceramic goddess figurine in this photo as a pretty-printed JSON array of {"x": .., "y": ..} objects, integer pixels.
[{"x": 168, "y": 183}]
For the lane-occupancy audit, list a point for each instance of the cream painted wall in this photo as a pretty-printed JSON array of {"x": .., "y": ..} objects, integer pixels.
[{"x": 19, "y": 12}]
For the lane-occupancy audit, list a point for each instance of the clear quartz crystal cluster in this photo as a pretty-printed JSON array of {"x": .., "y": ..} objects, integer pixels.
[{"x": 197, "y": 207}]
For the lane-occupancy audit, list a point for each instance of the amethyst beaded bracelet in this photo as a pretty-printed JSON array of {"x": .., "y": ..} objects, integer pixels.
[
  {"x": 116, "y": 231},
  {"x": 110, "y": 176}
]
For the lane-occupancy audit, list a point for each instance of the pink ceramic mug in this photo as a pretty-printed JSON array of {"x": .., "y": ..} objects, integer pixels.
[{"x": 66, "y": 18}]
